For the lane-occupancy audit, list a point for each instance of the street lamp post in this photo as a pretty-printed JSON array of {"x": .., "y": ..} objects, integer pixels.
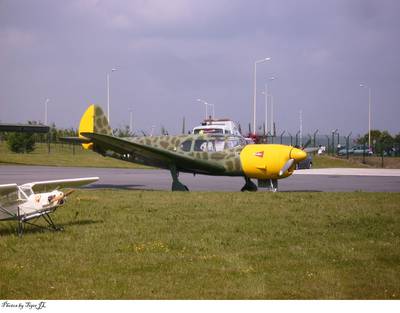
[
  {"x": 301, "y": 127},
  {"x": 213, "y": 112},
  {"x": 108, "y": 94},
  {"x": 266, "y": 94},
  {"x": 333, "y": 140},
  {"x": 45, "y": 110},
  {"x": 369, "y": 114},
  {"x": 205, "y": 104},
  {"x": 255, "y": 91},
  {"x": 131, "y": 121}
]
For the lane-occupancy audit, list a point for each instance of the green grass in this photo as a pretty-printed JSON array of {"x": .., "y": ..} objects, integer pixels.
[
  {"x": 160, "y": 245},
  {"x": 61, "y": 155},
  {"x": 326, "y": 161}
]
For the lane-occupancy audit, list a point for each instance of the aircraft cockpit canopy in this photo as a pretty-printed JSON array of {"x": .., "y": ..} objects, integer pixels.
[
  {"x": 25, "y": 192},
  {"x": 212, "y": 143}
]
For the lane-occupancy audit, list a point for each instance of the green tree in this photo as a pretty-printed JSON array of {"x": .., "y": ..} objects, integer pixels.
[
  {"x": 21, "y": 142},
  {"x": 396, "y": 143},
  {"x": 375, "y": 135},
  {"x": 386, "y": 142}
]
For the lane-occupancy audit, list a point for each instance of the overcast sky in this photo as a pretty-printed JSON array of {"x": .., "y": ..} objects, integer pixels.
[{"x": 169, "y": 53}]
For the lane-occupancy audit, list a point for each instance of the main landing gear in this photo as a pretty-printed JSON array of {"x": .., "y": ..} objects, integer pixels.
[
  {"x": 176, "y": 184},
  {"x": 249, "y": 185},
  {"x": 268, "y": 184}
]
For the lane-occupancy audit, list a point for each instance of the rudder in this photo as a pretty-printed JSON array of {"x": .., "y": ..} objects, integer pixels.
[{"x": 93, "y": 121}]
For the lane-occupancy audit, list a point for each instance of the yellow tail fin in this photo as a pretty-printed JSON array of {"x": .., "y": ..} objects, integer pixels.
[{"x": 93, "y": 121}]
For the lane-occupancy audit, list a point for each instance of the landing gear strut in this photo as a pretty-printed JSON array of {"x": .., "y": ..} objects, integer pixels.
[
  {"x": 176, "y": 184},
  {"x": 249, "y": 185},
  {"x": 268, "y": 184}
]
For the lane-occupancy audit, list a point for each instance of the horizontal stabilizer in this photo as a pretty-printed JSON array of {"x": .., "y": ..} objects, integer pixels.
[{"x": 77, "y": 140}]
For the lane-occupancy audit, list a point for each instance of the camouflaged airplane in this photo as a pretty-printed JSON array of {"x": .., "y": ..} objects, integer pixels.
[{"x": 207, "y": 154}]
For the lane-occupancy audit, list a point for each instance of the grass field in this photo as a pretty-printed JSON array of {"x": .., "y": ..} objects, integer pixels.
[
  {"x": 61, "y": 155},
  {"x": 160, "y": 245}
]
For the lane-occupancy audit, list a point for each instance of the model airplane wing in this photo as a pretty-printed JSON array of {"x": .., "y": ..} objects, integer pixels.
[
  {"x": 164, "y": 156},
  {"x": 8, "y": 201},
  {"x": 43, "y": 186},
  {"x": 7, "y": 189}
]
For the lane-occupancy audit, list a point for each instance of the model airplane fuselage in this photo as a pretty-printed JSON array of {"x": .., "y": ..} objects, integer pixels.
[
  {"x": 33, "y": 200},
  {"x": 198, "y": 154}
]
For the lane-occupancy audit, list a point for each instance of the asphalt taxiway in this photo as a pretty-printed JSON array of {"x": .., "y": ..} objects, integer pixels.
[{"x": 325, "y": 180}]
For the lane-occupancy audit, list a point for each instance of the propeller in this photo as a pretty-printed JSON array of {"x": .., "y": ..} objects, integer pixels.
[
  {"x": 59, "y": 199},
  {"x": 295, "y": 156},
  {"x": 287, "y": 165}
]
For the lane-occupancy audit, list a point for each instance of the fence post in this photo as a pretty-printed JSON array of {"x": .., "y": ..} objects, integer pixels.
[
  {"x": 315, "y": 134},
  {"x": 328, "y": 145},
  {"x": 282, "y": 136},
  {"x": 363, "y": 153},
  {"x": 348, "y": 145}
]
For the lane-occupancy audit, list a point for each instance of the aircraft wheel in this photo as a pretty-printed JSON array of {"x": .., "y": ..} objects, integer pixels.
[
  {"x": 249, "y": 186},
  {"x": 178, "y": 186}
]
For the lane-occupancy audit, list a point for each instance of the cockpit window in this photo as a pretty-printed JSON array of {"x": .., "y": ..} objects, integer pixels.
[
  {"x": 27, "y": 191},
  {"x": 200, "y": 145},
  {"x": 235, "y": 142},
  {"x": 232, "y": 143},
  {"x": 211, "y": 145},
  {"x": 219, "y": 145},
  {"x": 186, "y": 145}
]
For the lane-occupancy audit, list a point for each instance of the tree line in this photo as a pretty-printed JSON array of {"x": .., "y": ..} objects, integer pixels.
[
  {"x": 25, "y": 142},
  {"x": 382, "y": 142}
]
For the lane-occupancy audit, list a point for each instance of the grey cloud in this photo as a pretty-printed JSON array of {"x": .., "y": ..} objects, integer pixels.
[{"x": 170, "y": 54}]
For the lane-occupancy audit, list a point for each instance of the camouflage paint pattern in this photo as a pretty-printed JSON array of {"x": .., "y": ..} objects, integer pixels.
[{"x": 229, "y": 158}]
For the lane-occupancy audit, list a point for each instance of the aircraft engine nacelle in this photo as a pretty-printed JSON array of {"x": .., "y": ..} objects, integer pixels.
[{"x": 270, "y": 161}]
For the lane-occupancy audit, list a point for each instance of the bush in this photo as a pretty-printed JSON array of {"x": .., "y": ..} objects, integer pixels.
[{"x": 21, "y": 142}]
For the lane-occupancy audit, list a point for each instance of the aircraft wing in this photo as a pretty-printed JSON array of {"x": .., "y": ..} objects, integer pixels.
[
  {"x": 151, "y": 153},
  {"x": 43, "y": 186},
  {"x": 8, "y": 201},
  {"x": 311, "y": 149},
  {"x": 7, "y": 189}
]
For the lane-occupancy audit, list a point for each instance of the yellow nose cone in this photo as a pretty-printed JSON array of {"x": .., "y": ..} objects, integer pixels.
[{"x": 298, "y": 155}]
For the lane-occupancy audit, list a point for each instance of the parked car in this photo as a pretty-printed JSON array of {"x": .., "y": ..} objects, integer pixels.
[
  {"x": 356, "y": 150},
  {"x": 305, "y": 164}
]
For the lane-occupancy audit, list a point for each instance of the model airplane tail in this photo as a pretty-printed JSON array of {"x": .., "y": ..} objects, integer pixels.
[{"x": 93, "y": 121}]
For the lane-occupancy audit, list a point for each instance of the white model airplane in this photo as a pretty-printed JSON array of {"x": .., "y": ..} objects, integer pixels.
[{"x": 34, "y": 200}]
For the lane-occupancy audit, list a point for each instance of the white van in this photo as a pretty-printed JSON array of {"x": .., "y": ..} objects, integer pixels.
[{"x": 220, "y": 126}]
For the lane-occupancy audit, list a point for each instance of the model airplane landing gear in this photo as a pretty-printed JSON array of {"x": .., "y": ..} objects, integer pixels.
[
  {"x": 46, "y": 217},
  {"x": 176, "y": 184},
  {"x": 249, "y": 185}
]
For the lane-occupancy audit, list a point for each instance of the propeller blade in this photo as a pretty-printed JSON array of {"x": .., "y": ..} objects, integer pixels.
[
  {"x": 69, "y": 192},
  {"x": 60, "y": 198},
  {"x": 287, "y": 165}
]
